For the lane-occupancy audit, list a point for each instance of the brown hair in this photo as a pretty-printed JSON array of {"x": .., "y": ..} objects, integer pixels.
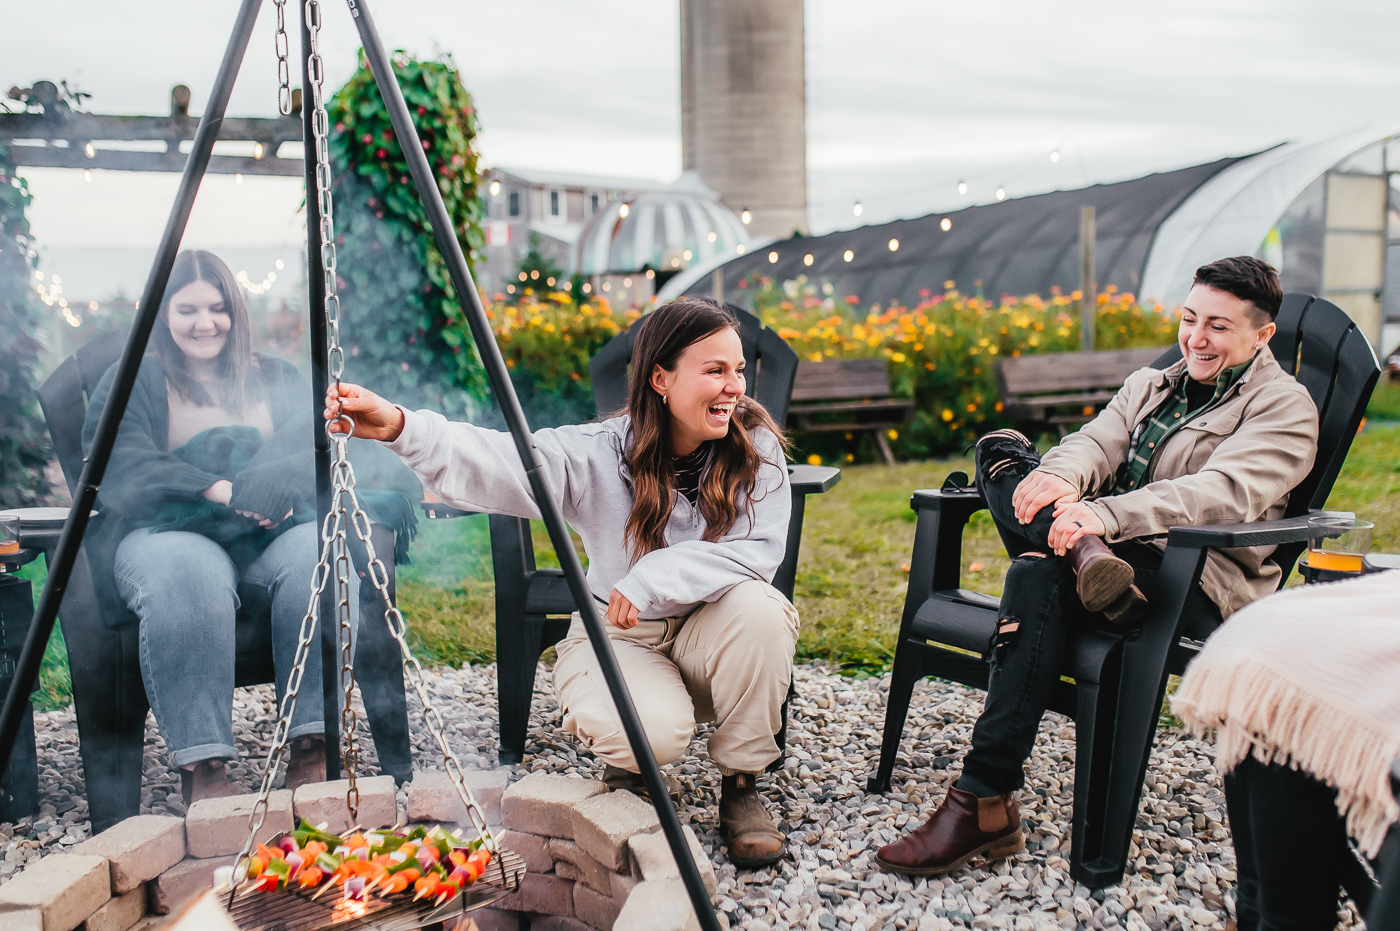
[
  {"x": 735, "y": 461},
  {"x": 1248, "y": 279},
  {"x": 237, "y": 356}
]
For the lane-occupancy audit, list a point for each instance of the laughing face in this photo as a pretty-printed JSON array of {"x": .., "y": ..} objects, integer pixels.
[
  {"x": 702, "y": 389},
  {"x": 1219, "y": 331}
]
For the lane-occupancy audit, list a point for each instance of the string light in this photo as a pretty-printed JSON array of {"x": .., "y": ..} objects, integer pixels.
[
  {"x": 745, "y": 217},
  {"x": 739, "y": 248},
  {"x": 587, "y": 288},
  {"x": 91, "y": 152},
  {"x": 257, "y": 150},
  {"x": 495, "y": 188},
  {"x": 87, "y": 175},
  {"x": 549, "y": 281},
  {"x": 279, "y": 264},
  {"x": 807, "y": 259},
  {"x": 650, "y": 274},
  {"x": 894, "y": 245},
  {"x": 255, "y": 287},
  {"x": 946, "y": 224},
  {"x": 1055, "y": 156},
  {"x": 772, "y": 258},
  {"x": 962, "y": 187},
  {"x": 237, "y": 179},
  {"x": 624, "y": 210},
  {"x": 848, "y": 255},
  {"x": 1001, "y": 193},
  {"x": 675, "y": 261},
  {"x": 858, "y": 209},
  {"x": 510, "y": 288},
  {"x": 713, "y": 235},
  {"x": 627, "y": 282}
]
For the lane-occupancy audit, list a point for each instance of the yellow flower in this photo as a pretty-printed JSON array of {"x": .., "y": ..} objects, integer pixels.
[
  {"x": 549, "y": 328},
  {"x": 898, "y": 357},
  {"x": 814, "y": 459},
  {"x": 947, "y": 414},
  {"x": 815, "y": 357},
  {"x": 858, "y": 332},
  {"x": 892, "y": 434}
]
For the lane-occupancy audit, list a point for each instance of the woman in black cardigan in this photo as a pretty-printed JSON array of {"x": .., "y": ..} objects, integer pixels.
[{"x": 209, "y": 505}]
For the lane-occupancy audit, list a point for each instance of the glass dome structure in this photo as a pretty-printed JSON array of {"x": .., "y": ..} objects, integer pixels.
[{"x": 666, "y": 231}]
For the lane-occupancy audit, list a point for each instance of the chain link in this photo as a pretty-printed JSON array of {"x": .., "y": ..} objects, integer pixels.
[
  {"x": 284, "y": 73},
  {"x": 334, "y": 559}
]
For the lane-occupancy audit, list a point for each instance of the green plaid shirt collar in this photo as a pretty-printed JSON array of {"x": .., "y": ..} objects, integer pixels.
[{"x": 1169, "y": 417}]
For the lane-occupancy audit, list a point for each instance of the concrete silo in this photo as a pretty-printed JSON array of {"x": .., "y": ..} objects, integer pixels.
[{"x": 743, "y": 107}]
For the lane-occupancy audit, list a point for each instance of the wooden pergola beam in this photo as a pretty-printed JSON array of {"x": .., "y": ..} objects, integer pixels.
[{"x": 59, "y": 138}]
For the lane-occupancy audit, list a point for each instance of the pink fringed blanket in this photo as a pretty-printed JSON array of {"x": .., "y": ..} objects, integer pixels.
[{"x": 1310, "y": 677}]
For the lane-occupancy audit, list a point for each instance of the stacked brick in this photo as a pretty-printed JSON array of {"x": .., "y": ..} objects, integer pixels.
[{"x": 596, "y": 860}]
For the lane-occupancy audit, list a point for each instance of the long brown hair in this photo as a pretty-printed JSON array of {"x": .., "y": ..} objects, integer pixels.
[
  {"x": 237, "y": 356},
  {"x": 735, "y": 461}
]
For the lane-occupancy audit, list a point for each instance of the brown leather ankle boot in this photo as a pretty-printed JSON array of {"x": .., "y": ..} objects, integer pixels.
[
  {"x": 618, "y": 779},
  {"x": 754, "y": 840},
  {"x": 206, "y": 779},
  {"x": 308, "y": 762},
  {"x": 1102, "y": 576},
  {"x": 963, "y": 827}
]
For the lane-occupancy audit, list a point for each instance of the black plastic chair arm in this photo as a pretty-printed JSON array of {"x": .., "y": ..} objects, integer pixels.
[
  {"x": 1257, "y": 533},
  {"x": 813, "y": 480}
]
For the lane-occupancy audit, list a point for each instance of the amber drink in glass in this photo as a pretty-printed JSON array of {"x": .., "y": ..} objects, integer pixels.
[{"x": 1338, "y": 544}]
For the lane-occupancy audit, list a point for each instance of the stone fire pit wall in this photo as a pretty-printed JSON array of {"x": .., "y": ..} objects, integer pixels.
[{"x": 596, "y": 859}]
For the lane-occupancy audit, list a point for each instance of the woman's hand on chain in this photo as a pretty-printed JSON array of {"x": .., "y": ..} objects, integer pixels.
[
  {"x": 622, "y": 614},
  {"x": 364, "y": 412}
]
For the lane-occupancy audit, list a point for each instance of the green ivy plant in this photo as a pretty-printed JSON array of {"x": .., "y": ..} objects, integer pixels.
[
  {"x": 24, "y": 445},
  {"x": 402, "y": 321}
]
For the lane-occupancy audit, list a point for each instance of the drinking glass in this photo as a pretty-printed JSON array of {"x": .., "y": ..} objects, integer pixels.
[
  {"x": 1338, "y": 544},
  {"x": 9, "y": 534}
]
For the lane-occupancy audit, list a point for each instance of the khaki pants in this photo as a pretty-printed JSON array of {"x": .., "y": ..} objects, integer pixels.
[{"x": 729, "y": 661}]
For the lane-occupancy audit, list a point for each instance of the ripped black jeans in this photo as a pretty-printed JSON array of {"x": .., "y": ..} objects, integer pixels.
[{"x": 1040, "y": 602}]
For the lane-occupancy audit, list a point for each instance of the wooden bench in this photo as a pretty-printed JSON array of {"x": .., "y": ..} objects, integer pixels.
[
  {"x": 847, "y": 395},
  {"x": 1063, "y": 388}
]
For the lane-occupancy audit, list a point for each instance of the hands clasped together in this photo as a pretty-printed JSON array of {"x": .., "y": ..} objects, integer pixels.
[{"x": 1073, "y": 518}]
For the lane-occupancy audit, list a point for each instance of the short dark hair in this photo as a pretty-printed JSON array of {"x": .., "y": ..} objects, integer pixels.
[{"x": 1248, "y": 279}]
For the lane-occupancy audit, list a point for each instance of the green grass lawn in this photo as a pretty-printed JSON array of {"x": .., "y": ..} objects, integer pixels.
[{"x": 851, "y": 578}]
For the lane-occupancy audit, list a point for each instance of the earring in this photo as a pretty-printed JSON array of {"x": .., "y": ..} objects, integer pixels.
[{"x": 665, "y": 399}]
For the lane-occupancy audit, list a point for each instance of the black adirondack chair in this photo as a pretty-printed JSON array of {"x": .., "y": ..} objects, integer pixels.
[
  {"x": 109, "y": 696},
  {"x": 1119, "y": 682},
  {"x": 533, "y": 605}
]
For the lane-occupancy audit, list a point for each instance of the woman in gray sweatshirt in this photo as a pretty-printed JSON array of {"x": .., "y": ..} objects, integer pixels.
[{"x": 682, "y": 503}]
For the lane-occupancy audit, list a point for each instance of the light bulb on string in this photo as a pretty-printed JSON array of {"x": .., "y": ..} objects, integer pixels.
[
  {"x": 623, "y": 211},
  {"x": 746, "y": 217},
  {"x": 1055, "y": 156},
  {"x": 1001, "y": 193},
  {"x": 87, "y": 175},
  {"x": 946, "y": 224},
  {"x": 962, "y": 187},
  {"x": 858, "y": 209},
  {"x": 495, "y": 188}
]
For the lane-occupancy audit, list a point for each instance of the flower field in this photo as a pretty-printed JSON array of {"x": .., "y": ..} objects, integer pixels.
[{"x": 940, "y": 352}]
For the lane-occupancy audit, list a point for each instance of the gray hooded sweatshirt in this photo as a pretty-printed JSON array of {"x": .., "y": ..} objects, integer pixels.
[{"x": 477, "y": 469}]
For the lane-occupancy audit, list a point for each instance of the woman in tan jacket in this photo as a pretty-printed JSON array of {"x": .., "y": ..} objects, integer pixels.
[{"x": 1220, "y": 437}]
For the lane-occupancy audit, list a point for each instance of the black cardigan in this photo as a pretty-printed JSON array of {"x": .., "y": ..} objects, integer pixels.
[{"x": 143, "y": 478}]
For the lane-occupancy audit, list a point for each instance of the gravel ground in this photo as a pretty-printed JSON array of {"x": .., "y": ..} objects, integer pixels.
[{"x": 1181, "y": 874}]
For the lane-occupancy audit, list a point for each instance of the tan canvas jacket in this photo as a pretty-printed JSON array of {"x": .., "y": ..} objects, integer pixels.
[{"x": 1235, "y": 463}]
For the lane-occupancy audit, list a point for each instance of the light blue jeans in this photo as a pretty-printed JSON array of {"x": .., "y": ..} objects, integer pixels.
[{"x": 187, "y": 592}]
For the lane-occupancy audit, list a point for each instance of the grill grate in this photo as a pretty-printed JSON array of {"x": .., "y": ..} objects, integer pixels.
[{"x": 296, "y": 911}]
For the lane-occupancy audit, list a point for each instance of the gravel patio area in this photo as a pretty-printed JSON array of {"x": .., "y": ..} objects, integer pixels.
[{"x": 1182, "y": 873}]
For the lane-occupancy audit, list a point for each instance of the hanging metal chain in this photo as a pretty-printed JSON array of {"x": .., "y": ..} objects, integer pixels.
[
  {"x": 345, "y": 508},
  {"x": 320, "y": 133},
  {"x": 284, "y": 73},
  {"x": 413, "y": 672}
]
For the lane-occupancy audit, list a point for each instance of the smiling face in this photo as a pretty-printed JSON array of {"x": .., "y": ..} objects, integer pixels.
[
  {"x": 702, "y": 389},
  {"x": 1219, "y": 331},
  {"x": 199, "y": 323}
]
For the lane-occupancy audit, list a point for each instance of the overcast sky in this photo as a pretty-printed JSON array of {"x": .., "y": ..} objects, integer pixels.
[{"x": 904, "y": 97}]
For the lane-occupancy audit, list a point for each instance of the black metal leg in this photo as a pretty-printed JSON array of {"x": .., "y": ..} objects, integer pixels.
[
  {"x": 109, "y": 701},
  {"x": 519, "y": 643},
  {"x": 379, "y": 672},
  {"x": 908, "y": 670}
]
